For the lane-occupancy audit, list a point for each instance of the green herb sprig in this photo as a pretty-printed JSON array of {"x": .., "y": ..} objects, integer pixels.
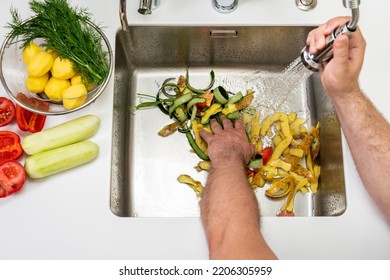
[{"x": 66, "y": 30}]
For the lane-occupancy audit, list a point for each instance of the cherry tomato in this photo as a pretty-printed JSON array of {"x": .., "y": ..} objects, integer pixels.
[
  {"x": 12, "y": 177},
  {"x": 7, "y": 111},
  {"x": 10, "y": 147},
  {"x": 27, "y": 120}
]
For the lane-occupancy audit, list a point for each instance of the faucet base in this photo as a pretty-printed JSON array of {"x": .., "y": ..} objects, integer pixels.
[{"x": 225, "y": 6}]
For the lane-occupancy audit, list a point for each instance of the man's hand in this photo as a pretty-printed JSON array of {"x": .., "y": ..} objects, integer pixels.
[
  {"x": 340, "y": 75},
  {"x": 228, "y": 142}
]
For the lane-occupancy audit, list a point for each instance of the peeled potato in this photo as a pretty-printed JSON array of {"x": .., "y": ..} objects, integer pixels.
[
  {"x": 37, "y": 84},
  {"x": 63, "y": 68},
  {"x": 55, "y": 88},
  {"x": 30, "y": 51},
  {"x": 53, "y": 53},
  {"x": 40, "y": 64},
  {"x": 76, "y": 79},
  {"x": 74, "y": 96}
]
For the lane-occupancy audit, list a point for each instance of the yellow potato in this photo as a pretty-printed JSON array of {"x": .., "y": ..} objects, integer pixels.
[
  {"x": 37, "y": 84},
  {"x": 74, "y": 96},
  {"x": 30, "y": 51},
  {"x": 40, "y": 64},
  {"x": 76, "y": 79},
  {"x": 63, "y": 68},
  {"x": 55, "y": 88},
  {"x": 53, "y": 53}
]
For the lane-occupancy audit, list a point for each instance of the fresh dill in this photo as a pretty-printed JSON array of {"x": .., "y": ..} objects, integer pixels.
[{"x": 66, "y": 30}]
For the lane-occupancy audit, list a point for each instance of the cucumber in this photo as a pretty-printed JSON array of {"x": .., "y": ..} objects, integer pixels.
[
  {"x": 256, "y": 163},
  {"x": 60, "y": 159},
  {"x": 221, "y": 95},
  {"x": 233, "y": 115},
  {"x": 69, "y": 132}
]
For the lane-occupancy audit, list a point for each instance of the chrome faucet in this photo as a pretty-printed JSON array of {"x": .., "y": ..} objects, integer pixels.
[
  {"x": 146, "y": 6},
  {"x": 315, "y": 61},
  {"x": 123, "y": 15},
  {"x": 224, "y": 6}
]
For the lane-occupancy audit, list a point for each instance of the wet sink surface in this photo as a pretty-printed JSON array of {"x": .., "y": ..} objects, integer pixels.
[{"x": 145, "y": 166}]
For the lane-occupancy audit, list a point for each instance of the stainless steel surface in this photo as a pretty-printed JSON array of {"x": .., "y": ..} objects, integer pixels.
[
  {"x": 352, "y": 24},
  {"x": 354, "y": 6},
  {"x": 224, "y": 6},
  {"x": 351, "y": 4},
  {"x": 315, "y": 61},
  {"x": 306, "y": 5},
  {"x": 145, "y": 166},
  {"x": 147, "y": 6}
]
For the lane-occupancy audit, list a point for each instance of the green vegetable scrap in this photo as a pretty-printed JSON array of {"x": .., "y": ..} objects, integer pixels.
[
  {"x": 192, "y": 108},
  {"x": 66, "y": 30}
]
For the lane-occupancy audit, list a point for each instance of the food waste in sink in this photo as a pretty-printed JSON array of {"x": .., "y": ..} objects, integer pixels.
[
  {"x": 285, "y": 162},
  {"x": 145, "y": 167}
]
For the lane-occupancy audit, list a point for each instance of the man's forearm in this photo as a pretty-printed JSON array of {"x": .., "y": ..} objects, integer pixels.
[
  {"x": 227, "y": 194},
  {"x": 368, "y": 136},
  {"x": 230, "y": 214}
]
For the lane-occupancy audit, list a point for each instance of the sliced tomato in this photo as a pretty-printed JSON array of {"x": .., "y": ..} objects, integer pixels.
[
  {"x": 7, "y": 111},
  {"x": 12, "y": 177},
  {"x": 27, "y": 120},
  {"x": 266, "y": 154},
  {"x": 10, "y": 147}
]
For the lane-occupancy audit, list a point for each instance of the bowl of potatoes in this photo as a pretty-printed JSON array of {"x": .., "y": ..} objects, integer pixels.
[{"x": 45, "y": 81}]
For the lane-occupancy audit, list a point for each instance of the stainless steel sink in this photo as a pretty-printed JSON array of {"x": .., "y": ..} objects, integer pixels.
[{"x": 145, "y": 166}]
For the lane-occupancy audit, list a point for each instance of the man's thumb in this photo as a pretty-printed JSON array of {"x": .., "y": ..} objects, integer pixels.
[{"x": 341, "y": 49}]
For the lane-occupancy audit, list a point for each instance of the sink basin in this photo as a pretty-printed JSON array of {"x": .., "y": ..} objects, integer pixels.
[{"x": 145, "y": 166}]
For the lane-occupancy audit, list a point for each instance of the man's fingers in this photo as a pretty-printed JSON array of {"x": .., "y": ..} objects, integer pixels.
[
  {"x": 334, "y": 23},
  {"x": 215, "y": 126},
  {"x": 239, "y": 124},
  {"x": 226, "y": 122},
  {"x": 316, "y": 38},
  {"x": 205, "y": 135}
]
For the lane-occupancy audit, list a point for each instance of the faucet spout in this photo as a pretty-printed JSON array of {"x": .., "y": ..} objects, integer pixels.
[
  {"x": 315, "y": 61},
  {"x": 146, "y": 6}
]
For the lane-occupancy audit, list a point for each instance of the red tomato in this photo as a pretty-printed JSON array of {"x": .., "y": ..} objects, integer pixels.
[
  {"x": 266, "y": 154},
  {"x": 12, "y": 177},
  {"x": 7, "y": 111},
  {"x": 27, "y": 120},
  {"x": 209, "y": 98},
  {"x": 10, "y": 148}
]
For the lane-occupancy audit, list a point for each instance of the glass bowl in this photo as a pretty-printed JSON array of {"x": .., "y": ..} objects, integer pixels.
[{"x": 13, "y": 76}]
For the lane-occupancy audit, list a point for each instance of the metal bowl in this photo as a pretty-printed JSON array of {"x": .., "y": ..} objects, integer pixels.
[{"x": 14, "y": 73}]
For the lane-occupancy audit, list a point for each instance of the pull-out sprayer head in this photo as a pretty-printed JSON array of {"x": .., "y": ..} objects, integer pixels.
[{"x": 315, "y": 61}]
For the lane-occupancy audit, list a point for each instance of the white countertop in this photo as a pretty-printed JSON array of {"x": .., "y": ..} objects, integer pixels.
[{"x": 68, "y": 216}]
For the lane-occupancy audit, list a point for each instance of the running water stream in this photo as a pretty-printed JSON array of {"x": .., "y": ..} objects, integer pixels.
[{"x": 274, "y": 90}]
